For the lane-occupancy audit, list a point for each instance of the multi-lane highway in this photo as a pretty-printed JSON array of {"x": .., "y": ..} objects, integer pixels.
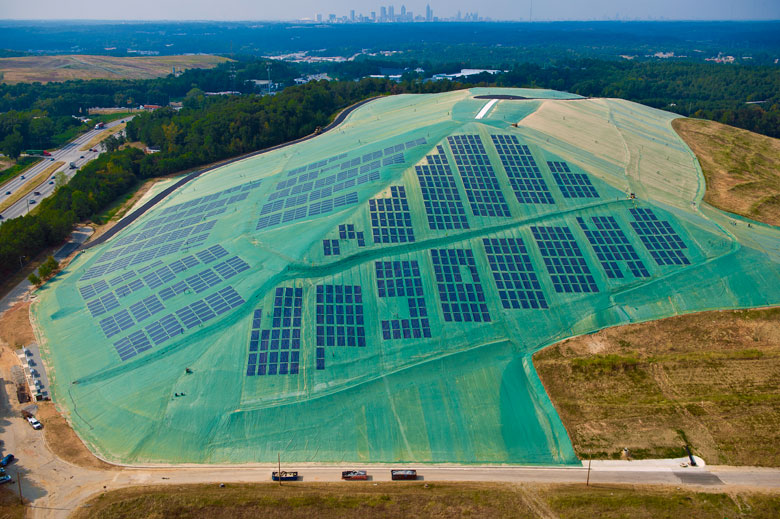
[{"x": 70, "y": 152}]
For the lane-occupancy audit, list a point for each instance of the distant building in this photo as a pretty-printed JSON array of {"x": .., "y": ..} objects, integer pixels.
[{"x": 149, "y": 107}]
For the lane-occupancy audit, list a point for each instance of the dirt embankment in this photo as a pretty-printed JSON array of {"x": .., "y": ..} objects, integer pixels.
[
  {"x": 741, "y": 168},
  {"x": 711, "y": 380}
]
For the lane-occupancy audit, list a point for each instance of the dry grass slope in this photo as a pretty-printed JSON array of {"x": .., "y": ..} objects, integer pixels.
[
  {"x": 27, "y": 69},
  {"x": 710, "y": 379},
  {"x": 434, "y": 500},
  {"x": 741, "y": 168}
]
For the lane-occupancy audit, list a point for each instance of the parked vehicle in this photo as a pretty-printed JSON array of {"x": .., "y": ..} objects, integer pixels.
[
  {"x": 285, "y": 476},
  {"x": 34, "y": 423},
  {"x": 354, "y": 475},
  {"x": 7, "y": 460},
  {"x": 403, "y": 475},
  {"x": 5, "y": 478}
]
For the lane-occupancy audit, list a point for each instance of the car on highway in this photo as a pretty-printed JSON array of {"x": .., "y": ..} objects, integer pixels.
[
  {"x": 37, "y": 193},
  {"x": 22, "y": 177},
  {"x": 5, "y": 478},
  {"x": 7, "y": 192},
  {"x": 51, "y": 182},
  {"x": 34, "y": 423},
  {"x": 32, "y": 201},
  {"x": 7, "y": 460},
  {"x": 81, "y": 157}
]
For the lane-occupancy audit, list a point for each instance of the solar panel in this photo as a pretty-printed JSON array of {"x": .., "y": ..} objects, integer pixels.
[
  {"x": 391, "y": 220},
  {"x": 659, "y": 238},
  {"x": 524, "y": 175},
  {"x": 440, "y": 194},
  {"x": 462, "y": 298},
  {"x": 279, "y": 344},
  {"x": 482, "y": 188},
  {"x": 564, "y": 260},
  {"x": 402, "y": 279},
  {"x": 572, "y": 185},
  {"x": 611, "y": 246},
  {"x": 513, "y": 273},
  {"x": 339, "y": 316}
]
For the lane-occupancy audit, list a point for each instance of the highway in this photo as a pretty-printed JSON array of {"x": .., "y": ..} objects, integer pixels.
[{"x": 70, "y": 152}]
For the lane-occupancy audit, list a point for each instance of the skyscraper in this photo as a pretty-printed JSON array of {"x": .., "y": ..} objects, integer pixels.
[
  {"x": 391, "y": 13},
  {"x": 428, "y": 13},
  {"x": 383, "y": 14}
]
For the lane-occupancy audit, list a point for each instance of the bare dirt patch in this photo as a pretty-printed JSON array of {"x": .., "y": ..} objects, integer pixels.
[
  {"x": 741, "y": 168},
  {"x": 27, "y": 69},
  {"x": 64, "y": 443},
  {"x": 711, "y": 380},
  {"x": 15, "y": 328}
]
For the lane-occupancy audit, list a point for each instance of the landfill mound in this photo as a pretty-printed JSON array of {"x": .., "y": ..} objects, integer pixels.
[{"x": 375, "y": 294}]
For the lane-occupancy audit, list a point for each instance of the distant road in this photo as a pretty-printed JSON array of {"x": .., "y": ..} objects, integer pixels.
[{"x": 70, "y": 152}]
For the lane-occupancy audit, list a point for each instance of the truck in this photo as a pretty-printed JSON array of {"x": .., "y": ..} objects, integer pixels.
[
  {"x": 403, "y": 475},
  {"x": 354, "y": 475},
  {"x": 100, "y": 126},
  {"x": 284, "y": 476}
]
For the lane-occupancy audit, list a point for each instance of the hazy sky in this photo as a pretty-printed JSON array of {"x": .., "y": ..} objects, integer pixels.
[{"x": 299, "y": 9}]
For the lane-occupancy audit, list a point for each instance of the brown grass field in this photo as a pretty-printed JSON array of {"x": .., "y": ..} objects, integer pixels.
[
  {"x": 30, "y": 186},
  {"x": 741, "y": 168},
  {"x": 433, "y": 500},
  {"x": 27, "y": 69},
  {"x": 711, "y": 380}
]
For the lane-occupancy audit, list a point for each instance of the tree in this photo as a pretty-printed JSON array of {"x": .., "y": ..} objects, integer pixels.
[
  {"x": 35, "y": 280},
  {"x": 12, "y": 145},
  {"x": 60, "y": 179},
  {"x": 48, "y": 268}
]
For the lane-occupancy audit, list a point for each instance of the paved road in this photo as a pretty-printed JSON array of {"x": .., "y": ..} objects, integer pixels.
[{"x": 70, "y": 152}]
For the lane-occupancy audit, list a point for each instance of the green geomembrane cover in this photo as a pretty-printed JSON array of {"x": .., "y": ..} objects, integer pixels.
[{"x": 375, "y": 294}]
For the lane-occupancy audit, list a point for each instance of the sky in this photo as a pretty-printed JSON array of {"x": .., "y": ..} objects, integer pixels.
[{"x": 302, "y": 9}]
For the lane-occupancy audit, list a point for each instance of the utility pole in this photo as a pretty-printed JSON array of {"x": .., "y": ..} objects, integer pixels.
[
  {"x": 19, "y": 484},
  {"x": 590, "y": 457}
]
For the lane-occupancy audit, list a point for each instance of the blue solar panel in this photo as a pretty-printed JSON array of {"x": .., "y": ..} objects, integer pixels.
[
  {"x": 611, "y": 245},
  {"x": 145, "y": 308},
  {"x": 331, "y": 247},
  {"x": 402, "y": 279},
  {"x": 103, "y": 304},
  {"x": 116, "y": 323},
  {"x": 164, "y": 328},
  {"x": 461, "y": 300},
  {"x": 173, "y": 290},
  {"x": 516, "y": 281},
  {"x": 391, "y": 220},
  {"x": 482, "y": 188},
  {"x": 279, "y": 344},
  {"x": 523, "y": 173},
  {"x": 440, "y": 194},
  {"x": 340, "y": 316},
  {"x": 572, "y": 185},
  {"x": 564, "y": 260},
  {"x": 659, "y": 238},
  {"x": 229, "y": 268}
]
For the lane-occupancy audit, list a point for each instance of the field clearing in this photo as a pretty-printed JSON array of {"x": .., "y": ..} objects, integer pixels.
[
  {"x": 27, "y": 69},
  {"x": 30, "y": 186},
  {"x": 711, "y": 380},
  {"x": 97, "y": 139},
  {"x": 741, "y": 168},
  {"x": 433, "y": 500}
]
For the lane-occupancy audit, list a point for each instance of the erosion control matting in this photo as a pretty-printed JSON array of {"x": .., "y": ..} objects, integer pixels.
[{"x": 375, "y": 294}]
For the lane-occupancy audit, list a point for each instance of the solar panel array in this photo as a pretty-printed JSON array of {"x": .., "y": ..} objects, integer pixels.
[
  {"x": 331, "y": 247},
  {"x": 440, "y": 194},
  {"x": 339, "y": 318},
  {"x": 516, "y": 281},
  {"x": 280, "y": 344},
  {"x": 572, "y": 185},
  {"x": 659, "y": 238},
  {"x": 611, "y": 246},
  {"x": 315, "y": 184},
  {"x": 479, "y": 179},
  {"x": 402, "y": 279},
  {"x": 461, "y": 300},
  {"x": 103, "y": 304},
  {"x": 348, "y": 232},
  {"x": 181, "y": 226},
  {"x": 391, "y": 221},
  {"x": 564, "y": 260},
  {"x": 90, "y": 291},
  {"x": 524, "y": 175}
]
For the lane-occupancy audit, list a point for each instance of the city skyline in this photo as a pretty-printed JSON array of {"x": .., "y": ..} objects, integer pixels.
[{"x": 303, "y": 10}]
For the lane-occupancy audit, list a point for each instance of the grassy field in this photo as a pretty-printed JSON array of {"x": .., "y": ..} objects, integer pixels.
[
  {"x": 27, "y": 69},
  {"x": 711, "y": 380},
  {"x": 741, "y": 168},
  {"x": 30, "y": 186},
  {"x": 432, "y": 500}
]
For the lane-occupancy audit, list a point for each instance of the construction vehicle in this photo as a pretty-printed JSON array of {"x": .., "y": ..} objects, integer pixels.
[
  {"x": 354, "y": 475},
  {"x": 403, "y": 475}
]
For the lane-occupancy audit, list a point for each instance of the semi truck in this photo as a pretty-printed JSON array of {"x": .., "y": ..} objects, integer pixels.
[{"x": 100, "y": 126}]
